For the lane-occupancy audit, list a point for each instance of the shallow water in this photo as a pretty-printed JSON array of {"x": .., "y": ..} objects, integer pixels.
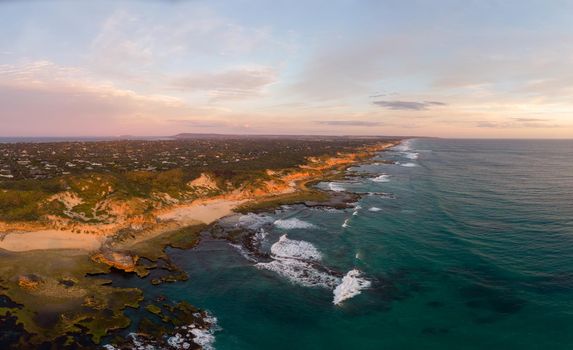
[{"x": 473, "y": 251}]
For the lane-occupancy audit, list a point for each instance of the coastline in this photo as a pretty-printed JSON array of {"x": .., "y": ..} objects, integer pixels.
[{"x": 177, "y": 226}]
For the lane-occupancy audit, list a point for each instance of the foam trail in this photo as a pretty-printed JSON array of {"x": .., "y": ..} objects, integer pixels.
[
  {"x": 352, "y": 284},
  {"x": 374, "y": 209},
  {"x": 408, "y": 165},
  {"x": 293, "y": 223},
  {"x": 300, "y": 272}
]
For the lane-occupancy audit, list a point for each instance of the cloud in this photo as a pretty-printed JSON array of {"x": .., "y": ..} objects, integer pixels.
[
  {"x": 348, "y": 122},
  {"x": 408, "y": 105},
  {"x": 526, "y": 123},
  {"x": 229, "y": 84},
  {"x": 529, "y": 120},
  {"x": 42, "y": 97},
  {"x": 135, "y": 44}
]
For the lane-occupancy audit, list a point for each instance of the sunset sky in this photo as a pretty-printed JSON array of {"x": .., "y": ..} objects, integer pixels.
[{"x": 428, "y": 68}]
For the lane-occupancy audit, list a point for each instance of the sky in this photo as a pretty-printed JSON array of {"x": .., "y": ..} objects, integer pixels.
[{"x": 444, "y": 68}]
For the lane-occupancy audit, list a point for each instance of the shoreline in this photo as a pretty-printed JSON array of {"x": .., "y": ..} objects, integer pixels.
[{"x": 200, "y": 211}]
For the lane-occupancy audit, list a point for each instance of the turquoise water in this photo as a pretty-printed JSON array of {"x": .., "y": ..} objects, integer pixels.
[{"x": 472, "y": 249}]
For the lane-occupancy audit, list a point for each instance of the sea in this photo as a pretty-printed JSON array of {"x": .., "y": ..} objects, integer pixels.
[{"x": 453, "y": 244}]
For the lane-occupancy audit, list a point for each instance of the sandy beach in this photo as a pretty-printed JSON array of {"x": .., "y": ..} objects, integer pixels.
[
  {"x": 50, "y": 239},
  {"x": 201, "y": 212}
]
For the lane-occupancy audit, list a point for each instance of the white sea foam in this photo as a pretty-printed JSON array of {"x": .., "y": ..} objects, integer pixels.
[
  {"x": 254, "y": 221},
  {"x": 404, "y": 146},
  {"x": 355, "y": 213},
  {"x": 374, "y": 209},
  {"x": 261, "y": 235},
  {"x": 183, "y": 338},
  {"x": 293, "y": 249},
  {"x": 381, "y": 178},
  {"x": 408, "y": 165},
  {"x": 205, "y": 337},
  {"x": 345, "y": 224},
  {"x": 295, "y": 261},
  {"x": 411, "y": 155},
  {"x": 178, "y": 342},
  {"x": 336, "y": 187},
  {"x": 300, "y": 272},
  {"x": 293, "y": 223},
  {"x": 352, "y": 284}
]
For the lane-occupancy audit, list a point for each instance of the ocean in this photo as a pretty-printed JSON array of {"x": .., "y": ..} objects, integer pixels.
[{"x": 460, "y": 244}]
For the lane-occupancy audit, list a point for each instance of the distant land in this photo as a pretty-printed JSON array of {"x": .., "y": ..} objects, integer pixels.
[{"x": 183, "y": 136}]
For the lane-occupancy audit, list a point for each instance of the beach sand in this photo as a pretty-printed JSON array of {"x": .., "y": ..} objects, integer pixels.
[
  {"x": 50, "y": 239},
  {"x": 200, "y": 212}
]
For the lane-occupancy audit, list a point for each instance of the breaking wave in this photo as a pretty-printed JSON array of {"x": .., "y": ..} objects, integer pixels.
[
  {"x": 352, "y": 284},
  {"x": 292, "y": 249},
  {"x": 381, "y": 178},
  {"x": 297, "y": 261},
  {"x": 408, "y": 165},
  {"x": 374, "y": 209},
  {"x": 293, "y": 223}
]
